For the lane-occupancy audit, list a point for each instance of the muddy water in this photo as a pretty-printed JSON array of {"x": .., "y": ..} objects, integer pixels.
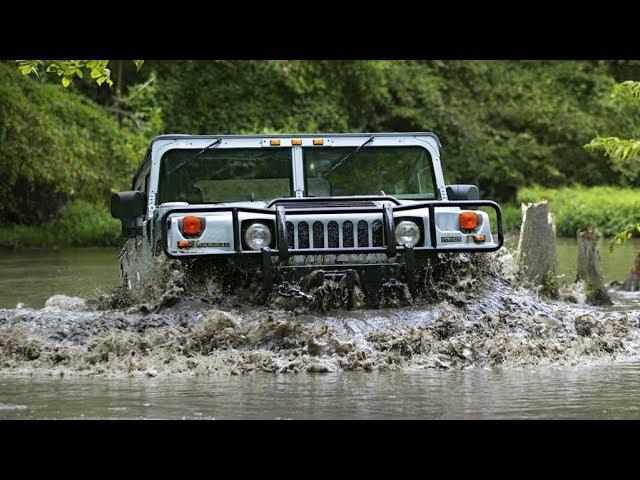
[
  {"x": 31, "y": 276},
  {"x": 580, "y": 392},
  {"x": 500, "y": 352}
]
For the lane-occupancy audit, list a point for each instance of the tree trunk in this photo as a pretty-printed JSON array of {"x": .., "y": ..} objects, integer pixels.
[
  {"x": 536, "y": 258},
  {"x": 117, "y": 98},
  {"x": 632, "y": 283},
  {"x": 589, "y": 269}
]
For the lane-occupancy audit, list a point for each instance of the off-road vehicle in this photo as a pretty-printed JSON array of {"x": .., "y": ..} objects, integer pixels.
[{"x": 372, "y": 206}]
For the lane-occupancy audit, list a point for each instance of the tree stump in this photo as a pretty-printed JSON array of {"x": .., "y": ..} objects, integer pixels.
[
  {"x": 537, "y": 258},
  {"x": 589, "y": 270},
  {"x": 632, "y": 283}
]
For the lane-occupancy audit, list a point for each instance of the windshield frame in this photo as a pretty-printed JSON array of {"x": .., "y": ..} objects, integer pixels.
[
  {"x": 434, "y": 180},
  {"x": 161, "y": 144},
  {"x": 161, "y": 163}
]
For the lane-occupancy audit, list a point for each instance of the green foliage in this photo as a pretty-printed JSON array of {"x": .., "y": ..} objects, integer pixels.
[
  {"x": 60, "y": 141},
  {"x": 609, "y": 209},
  {"x": 624, "y": 153},
  {"x": 628, "y": 91},
  {"x": 68, "y": 69},
  {"x": 625, "y": 234},
  {"x": 81, "y": 223},
  {"x": 511, "y": 217},
  {"x": 144, "y": 113},
  {"x": 503, "y": 124}
]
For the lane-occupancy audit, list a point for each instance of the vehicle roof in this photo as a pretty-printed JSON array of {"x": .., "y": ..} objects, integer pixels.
[
  {"x": 182, "y": 136},
  {"x": 178, "y": 136}
]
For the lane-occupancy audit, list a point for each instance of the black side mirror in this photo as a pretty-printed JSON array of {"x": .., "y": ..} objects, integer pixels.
[
  {"x": 128, "y": 206},
  {"x": 463, "y": 192}
]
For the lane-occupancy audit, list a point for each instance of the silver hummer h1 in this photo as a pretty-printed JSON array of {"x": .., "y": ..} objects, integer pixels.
[{"x": 374, "y": 204}]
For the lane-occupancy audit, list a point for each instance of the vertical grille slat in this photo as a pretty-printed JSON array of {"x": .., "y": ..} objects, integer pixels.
[
  {"x": 303, "y": 235},
  {"x": 347, "y": 234},
  {"x": 332, "y": 234},
  {"x": 318, "y": 235},
  {"x": 363, "y": 233},
  {"x": 290, "y": 235},
  {"x": 378, "y": 233}
]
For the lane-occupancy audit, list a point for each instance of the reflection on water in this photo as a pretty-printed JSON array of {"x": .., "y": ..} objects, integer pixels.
[
  {"x": 615, "y": 265},
  {"x": 32, "y": 276},
  {"x": 605, "y": 391}
]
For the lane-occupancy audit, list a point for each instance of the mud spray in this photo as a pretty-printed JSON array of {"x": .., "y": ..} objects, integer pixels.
[{"x": 471, "y": 312}]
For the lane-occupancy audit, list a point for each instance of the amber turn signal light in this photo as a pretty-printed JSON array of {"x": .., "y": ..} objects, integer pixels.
[
  {"x": 191, "y": 226},
  {"x": 468, "y": 220},
  {"x": 183, "y": 244},
  {"x": 479, "y": 238}
]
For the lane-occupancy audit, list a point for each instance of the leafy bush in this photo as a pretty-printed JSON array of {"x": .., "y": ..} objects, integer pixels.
[
  {"x": 609, "y": 209},
  {"x": 80, "y": 224},
  {"x": 511, "y": 217},
  {"x": 56, "y": 140}
]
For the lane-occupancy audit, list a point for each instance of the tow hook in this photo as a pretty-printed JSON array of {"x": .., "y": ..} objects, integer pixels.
[
  {"x": 392, "y": 283},
  {"x": 287, "y": 290}
]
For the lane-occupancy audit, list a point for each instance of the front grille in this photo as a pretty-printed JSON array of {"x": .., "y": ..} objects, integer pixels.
[{"x": 334, "y": 234}]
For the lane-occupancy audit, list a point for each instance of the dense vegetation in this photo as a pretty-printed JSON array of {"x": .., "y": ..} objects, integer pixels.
[
  {"x": 623, "y": 152},
  {"x": 608, "y": 208},
  {"x": 505, "y": 126}
]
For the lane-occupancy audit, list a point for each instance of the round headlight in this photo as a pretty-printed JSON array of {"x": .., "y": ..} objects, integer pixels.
[
  {"x": 407, "y": 232},
  {"x": 257, "y": 236}
]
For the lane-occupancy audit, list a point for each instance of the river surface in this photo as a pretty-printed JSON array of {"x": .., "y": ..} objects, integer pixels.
[
  {"x": 602, "y": 390},
  {"x": 581, "y": 392}
]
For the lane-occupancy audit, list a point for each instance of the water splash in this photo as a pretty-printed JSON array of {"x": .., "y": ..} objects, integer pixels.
[{"x": 471, "y": 312}]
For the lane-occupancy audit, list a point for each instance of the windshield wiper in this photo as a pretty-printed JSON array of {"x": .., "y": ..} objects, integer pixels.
[
  {"x": 191, "y": 159},
  {"x": 348, "y": 156}
]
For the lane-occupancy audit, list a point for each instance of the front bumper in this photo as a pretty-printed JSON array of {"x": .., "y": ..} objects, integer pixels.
[
  {"x": 369, "y": 273},
  {"x": 389, "y": 246}
]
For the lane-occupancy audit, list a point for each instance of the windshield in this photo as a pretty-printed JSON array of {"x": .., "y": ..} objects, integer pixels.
[
  {"x": 404, "y": 172},
  {"x": 225, "y": 175}
]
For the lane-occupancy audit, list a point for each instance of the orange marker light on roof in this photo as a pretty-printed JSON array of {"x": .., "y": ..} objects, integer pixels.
[
  {"x": 296, "y": 141},
  {"x": 191, "y": 226},
  {"x": 468, "y": 220},
  {"x": 274, "y": 142},
  {"x": 318, "y": 141}
]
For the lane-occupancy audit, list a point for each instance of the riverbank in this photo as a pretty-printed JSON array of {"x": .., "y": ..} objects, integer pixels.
[{"x": 81, "y": 224}]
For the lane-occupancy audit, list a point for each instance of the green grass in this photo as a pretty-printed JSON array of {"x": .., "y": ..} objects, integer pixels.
[
  {"x": 511, "y": 217},
  {"x": 81, "y": 224},
  {"x": 608, "y": 209}
]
